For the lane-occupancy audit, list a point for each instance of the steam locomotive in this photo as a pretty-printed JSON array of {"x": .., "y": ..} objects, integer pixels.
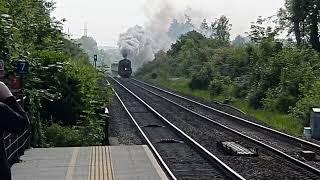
[{"x": 123, "y": 68}]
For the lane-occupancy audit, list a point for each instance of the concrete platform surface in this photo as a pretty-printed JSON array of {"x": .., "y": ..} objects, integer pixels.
[{"x": 89, "y": 163}]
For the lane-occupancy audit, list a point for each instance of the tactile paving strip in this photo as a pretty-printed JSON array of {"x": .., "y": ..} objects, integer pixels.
[{"x": 100, "y": 164}]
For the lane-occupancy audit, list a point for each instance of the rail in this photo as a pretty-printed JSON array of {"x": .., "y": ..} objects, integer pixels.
[
  {"x": 232, "y": 116},
  {"x": 280, "y": 153},
  {"x": 230, "y": 172},
  {"x": 16, "y": 144}
]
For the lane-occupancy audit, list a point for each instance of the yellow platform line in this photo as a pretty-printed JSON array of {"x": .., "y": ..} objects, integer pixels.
[
  {"x": 104, "y": 162},
  {"x": 101, "y": 172},
  {"x": 70, "y": 170},
  {"x": 97, "y": 167},
  {"x": 109, "y": 163},
  {"x": 100, "y": 164},
  {"x": 90, "y": 163}
]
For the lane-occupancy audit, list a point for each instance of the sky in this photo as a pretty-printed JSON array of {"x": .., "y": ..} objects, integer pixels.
[{"x": 106, "y": 19}]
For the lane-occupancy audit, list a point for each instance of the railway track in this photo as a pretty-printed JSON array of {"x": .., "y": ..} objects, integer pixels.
[
  {"x": 180, "y": 156},
  {"x": 287, "y": 144},
  {"x": 271, "y": 162}
]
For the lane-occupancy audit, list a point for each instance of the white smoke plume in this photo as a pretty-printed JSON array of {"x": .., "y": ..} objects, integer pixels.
[
  {"x": 140, "y": 44},
  {"x": 136, "y": 45}
]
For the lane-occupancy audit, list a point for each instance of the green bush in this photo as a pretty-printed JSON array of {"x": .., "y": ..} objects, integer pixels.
[
  {"x": 255, "y": 98},
  {"x": 58, "y": 136},
  {"x": 303, "y": 107},
  {"x": 296, "y": 70},
  {"x": 277, "y": 100},
  {"x": 269, "y": 75},
  {"x": 216, "y": 87},
  {"x": 239, "y": 91},
  {"x": 63, "y": 87},
  {"x": 63, "y": 136},
  {"x": 201, "y": 79},
  {"x": 154, "y": 75},
  {"x": 92, "y": 133},
  {"x": 220, "y": 85}
]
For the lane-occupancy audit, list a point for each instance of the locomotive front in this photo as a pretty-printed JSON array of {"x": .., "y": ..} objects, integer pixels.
[{"x": 124, "y": 68}]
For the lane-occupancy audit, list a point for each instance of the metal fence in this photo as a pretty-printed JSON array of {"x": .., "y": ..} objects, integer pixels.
[{"x": 16, "y": 144}]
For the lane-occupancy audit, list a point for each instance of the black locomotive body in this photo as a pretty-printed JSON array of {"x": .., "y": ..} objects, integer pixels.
[{"x": 124, "y": 68}]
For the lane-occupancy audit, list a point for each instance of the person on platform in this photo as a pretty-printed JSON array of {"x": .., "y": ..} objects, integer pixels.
[{"x": 13, "y": 119}]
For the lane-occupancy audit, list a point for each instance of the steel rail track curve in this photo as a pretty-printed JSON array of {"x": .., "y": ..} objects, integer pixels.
[
  {"x": 200, "y": 148},
  {"x": 282, "y": 154}
]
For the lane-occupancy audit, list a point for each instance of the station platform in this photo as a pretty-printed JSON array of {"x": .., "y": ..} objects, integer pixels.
[{"x": 89, "y": 163}]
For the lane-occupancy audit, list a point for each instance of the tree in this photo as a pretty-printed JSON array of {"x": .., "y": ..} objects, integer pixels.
[
  {"x": 259, "y": 33},
  {"x": 205, "y": 30},
  {"x": 177, "y": 29},
  {"x": 90, "y": 46},
  {"x": 239, "y": 41},
  {"x": 297, "y": 16},
  {"x": 5, "y": 33},
  {"x": 314, "y": 24},
  {"x": 304, "y": 18},
  {"x": 62, "y": 85},
  {"x": 172, "y": 29},
  {"x": 221, "y": 29}
]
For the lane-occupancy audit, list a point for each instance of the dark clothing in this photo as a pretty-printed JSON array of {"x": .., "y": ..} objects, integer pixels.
[
  {"x": 124, "y": 68},
  {"x": 13, "y": 119}
]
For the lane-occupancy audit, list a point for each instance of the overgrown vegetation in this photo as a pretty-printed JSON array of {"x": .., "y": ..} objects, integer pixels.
[
  {"x": 66, "y": 93},
  {"x": 264, "y": 75}
]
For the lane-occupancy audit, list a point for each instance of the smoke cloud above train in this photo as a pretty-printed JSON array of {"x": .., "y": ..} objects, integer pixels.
[
  {"x": 136, "y": 45},
  {"x": 141, "y": 43}
]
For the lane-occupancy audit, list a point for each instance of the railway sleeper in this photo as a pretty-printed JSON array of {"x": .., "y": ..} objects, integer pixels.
[
  {"x": 309, "y": 156},
  {"x": 234, "y": 149},
  {"x": 153, "y": 126},
  {"x": 162, "y": 141}
]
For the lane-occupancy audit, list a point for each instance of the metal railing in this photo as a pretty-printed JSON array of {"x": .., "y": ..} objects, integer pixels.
[{"x": 16, "y": 144}]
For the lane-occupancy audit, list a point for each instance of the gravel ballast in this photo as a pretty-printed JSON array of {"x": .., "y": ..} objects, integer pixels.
[
  {"x": 285, "y": 144},
  {"x": 266, "y": 166},
  {"x": 121, "y": 129},
  {"x": 184, "y": 161}
]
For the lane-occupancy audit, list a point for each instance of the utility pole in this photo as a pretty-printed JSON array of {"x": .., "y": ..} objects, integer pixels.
[
  {"x": 69, "y": 34},
  {"x": 85, "y": 30}
]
